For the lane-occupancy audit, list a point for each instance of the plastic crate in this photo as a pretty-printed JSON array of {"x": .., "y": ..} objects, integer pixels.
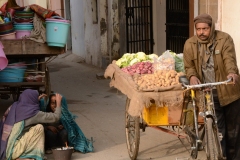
[{"x": 155, "y": 115}]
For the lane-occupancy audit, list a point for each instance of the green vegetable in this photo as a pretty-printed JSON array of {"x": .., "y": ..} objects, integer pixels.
[
  {"x": 135, "y": 60},
  {"x": 141, "y": 56},
  {"x": 123, "y": 62},
  {"x": 179, "y": 65},
  {"x": 129, "y": 59},
  {"x": 129, "y": 55},
  {"x": 151, "y": 57}
]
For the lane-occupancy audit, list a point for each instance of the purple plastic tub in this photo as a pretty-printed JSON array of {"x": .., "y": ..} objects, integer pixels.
[{"x": 22, "y": 33}]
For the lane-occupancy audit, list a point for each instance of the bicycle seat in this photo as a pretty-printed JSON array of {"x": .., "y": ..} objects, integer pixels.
[{"x": 183, "y": 79}]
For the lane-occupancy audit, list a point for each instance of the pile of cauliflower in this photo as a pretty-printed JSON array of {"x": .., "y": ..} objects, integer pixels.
[{"x": 129, "y": 59}]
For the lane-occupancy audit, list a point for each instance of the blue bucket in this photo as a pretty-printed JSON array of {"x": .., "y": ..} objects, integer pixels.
[
  {"x": 57, "y": 33},
  {"x": 12, "y": 75}
]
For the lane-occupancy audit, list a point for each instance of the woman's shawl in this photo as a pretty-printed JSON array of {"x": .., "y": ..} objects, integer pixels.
[
  {"x": 27, "y": 106},
  {"x": 76, "y": 137},
  {"x": 17, "y": 130},
  {"x": 25, "y": 146}
]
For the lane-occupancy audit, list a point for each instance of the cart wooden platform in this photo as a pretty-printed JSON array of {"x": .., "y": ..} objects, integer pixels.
[{"x": 25, "y": 49}]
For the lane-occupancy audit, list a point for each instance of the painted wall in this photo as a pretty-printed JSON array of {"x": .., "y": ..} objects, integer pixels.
[
  {"x": 90, "y": 30},
  {"x": 122, "y": 27},
  {"x": 159, "y": 27},
  {"x": 95, "y": 30},
  {"x": 67, "y": 15},
  {"x": 103, "y": 26},
  {"x": 92, "y": 34},
  {"x": 54, "y": 5},
  {"x": 77, "y": 27},
  {"x": 231, "y": 23},
  {"x": 42, "y": 3},
  {"x": 2, "y": 2},
  {"x": 210, "y": 7},
  {"x": 113, "y": 30}
]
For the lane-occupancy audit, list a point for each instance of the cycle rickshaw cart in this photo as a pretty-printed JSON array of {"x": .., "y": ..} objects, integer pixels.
[
  {"x": 36, "y": 76},
  {"x": 169, "y": 109}
]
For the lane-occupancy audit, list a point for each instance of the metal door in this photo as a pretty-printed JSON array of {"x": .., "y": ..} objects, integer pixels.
[
  {"x": 139, "y": 26},
  {"x": 177, "y": 24}
]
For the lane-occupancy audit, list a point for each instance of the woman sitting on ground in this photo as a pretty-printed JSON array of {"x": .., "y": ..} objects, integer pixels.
[
  {"x": 21, "y": 132},
  {"x": 55, "y": 133}
]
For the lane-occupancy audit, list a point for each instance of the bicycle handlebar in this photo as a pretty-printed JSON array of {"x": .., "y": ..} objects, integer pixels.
[{"x": 206, "y": 84}]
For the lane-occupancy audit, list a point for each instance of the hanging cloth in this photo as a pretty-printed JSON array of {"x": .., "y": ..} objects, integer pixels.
[{"x": 12, "y": 4}]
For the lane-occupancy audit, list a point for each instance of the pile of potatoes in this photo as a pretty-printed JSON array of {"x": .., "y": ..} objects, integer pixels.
[{"x": 160, "y": 78}]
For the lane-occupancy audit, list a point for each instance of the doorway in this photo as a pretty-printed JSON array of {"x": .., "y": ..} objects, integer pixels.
[
  {"x": 177, "y": 24},
  {"x": 139, "y": 26}
]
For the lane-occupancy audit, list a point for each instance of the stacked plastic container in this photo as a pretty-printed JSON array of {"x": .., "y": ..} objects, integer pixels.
[
  {"x": 6, "y": 27},
  {"x": 23, "y": 23}
]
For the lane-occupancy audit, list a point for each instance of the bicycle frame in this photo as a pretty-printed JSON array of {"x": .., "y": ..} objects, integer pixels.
[{"x": 210, "y": 121}]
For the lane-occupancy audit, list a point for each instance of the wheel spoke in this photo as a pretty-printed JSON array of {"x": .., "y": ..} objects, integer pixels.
[{"x": 132, "y": 133}]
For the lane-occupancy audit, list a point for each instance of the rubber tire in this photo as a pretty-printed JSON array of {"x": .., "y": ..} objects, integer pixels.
[
  {"x": 213, "y": 148},
  {"x": 132, "y": 133}
]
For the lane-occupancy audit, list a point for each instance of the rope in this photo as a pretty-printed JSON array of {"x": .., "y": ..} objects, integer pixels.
[
  {"x": 47, "y": 61},
  {"x": 31, "y": 77},
  {"x": 25, "y": 64},
  {"x": 38, "y": 76},
  {"x": 34, "y": 72},
  {"x": 51, "y": 59}
]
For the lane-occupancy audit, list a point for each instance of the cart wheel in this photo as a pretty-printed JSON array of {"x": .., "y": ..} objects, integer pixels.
[
  {"x": 47, "y": 82},
  {"x": 132, "y": 133},
  {"x": 213, "y": 145}
]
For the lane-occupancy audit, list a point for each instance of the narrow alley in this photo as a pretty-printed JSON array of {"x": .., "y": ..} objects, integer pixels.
[{"x": 101, "y": 114}]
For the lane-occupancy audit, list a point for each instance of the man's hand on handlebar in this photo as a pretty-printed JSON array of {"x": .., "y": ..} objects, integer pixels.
[
  {"x": 234, "y": 77},
  {"x": 194, "y": 80}
]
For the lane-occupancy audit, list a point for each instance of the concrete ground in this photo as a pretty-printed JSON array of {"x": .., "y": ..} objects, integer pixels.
[{"x": 100, "y": 110}]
